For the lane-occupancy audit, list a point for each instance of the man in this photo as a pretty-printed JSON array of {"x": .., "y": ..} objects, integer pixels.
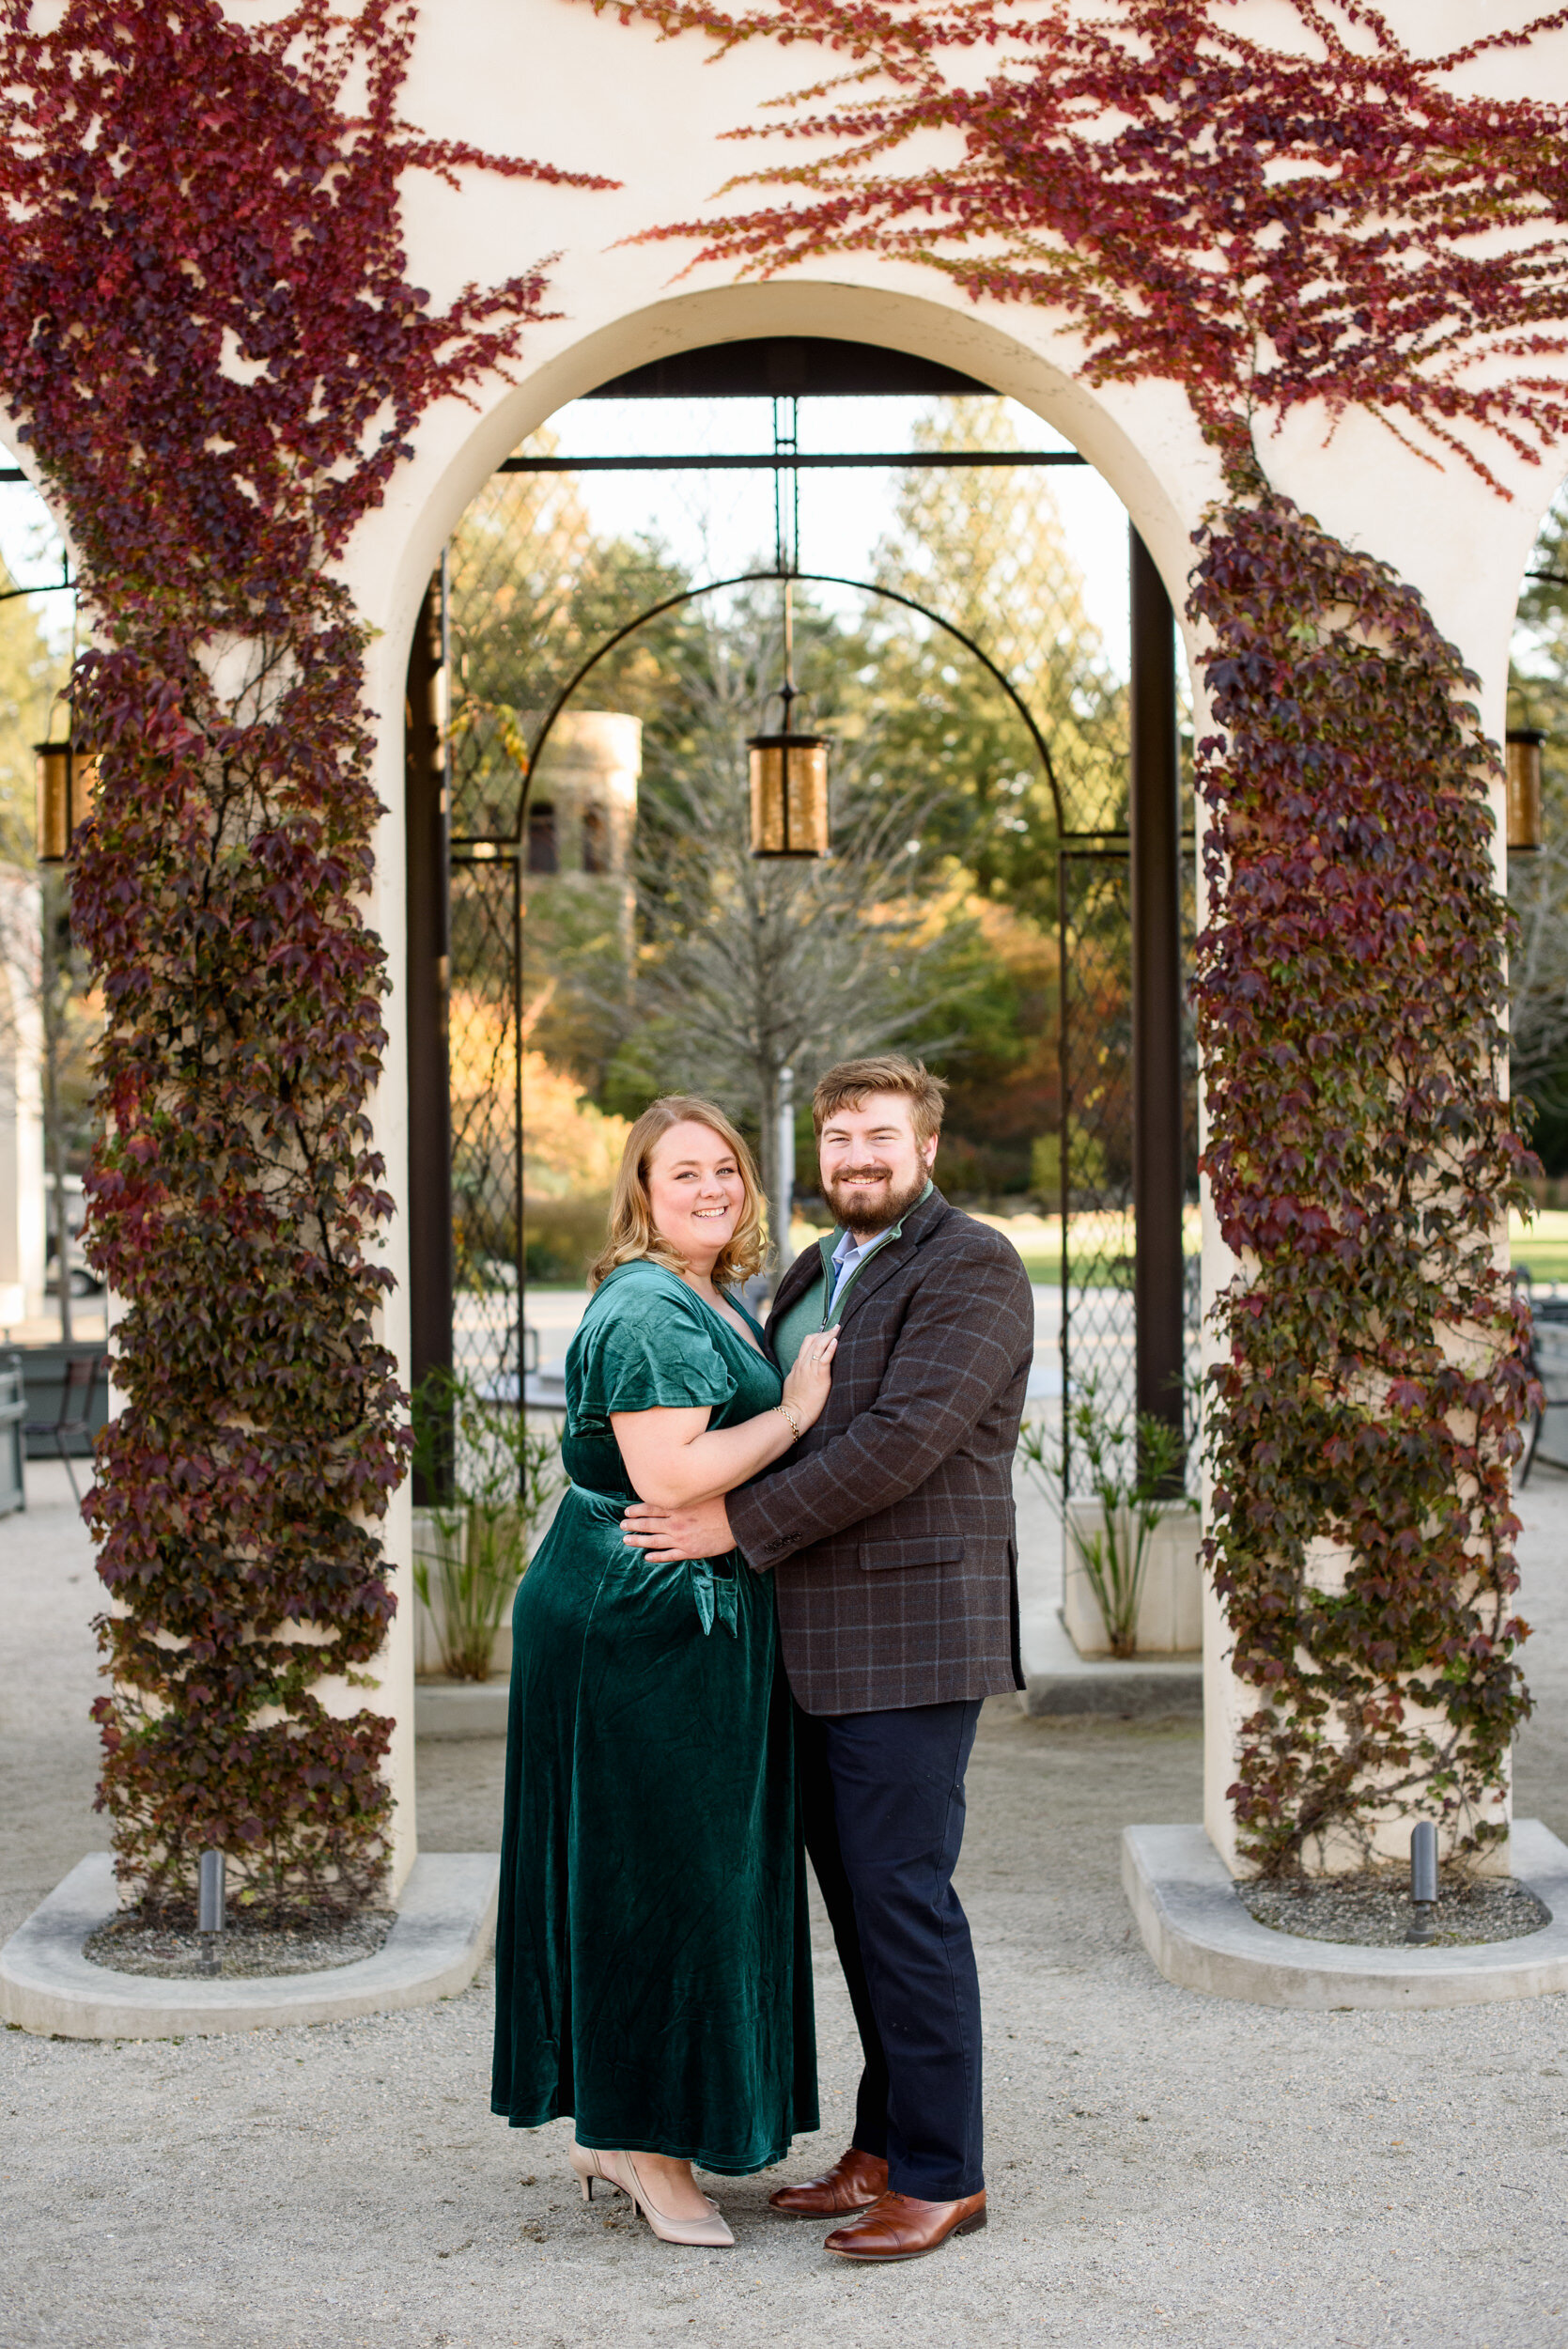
[{"x": 890, "y": 1533}]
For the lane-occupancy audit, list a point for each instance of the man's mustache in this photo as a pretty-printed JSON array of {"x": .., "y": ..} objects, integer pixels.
[{"x": 863, "y": 1175}]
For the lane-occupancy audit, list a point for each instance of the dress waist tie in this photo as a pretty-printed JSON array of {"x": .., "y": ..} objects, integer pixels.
[{"x": 716, "y": 1596}]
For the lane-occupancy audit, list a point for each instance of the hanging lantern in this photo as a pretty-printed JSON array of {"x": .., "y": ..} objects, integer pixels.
[
  {"x": 67, "y": 780},
  {"x": 789, "y": 794},
  {"x": 789, "y": 774},
  {"x": 1526, "y": 833}
]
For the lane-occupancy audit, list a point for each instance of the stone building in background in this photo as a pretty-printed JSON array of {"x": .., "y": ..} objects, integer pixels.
[{"x": 582, "y": 810}]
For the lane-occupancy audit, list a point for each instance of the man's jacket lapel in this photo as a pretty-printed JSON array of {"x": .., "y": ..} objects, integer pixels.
[{"x": 881, "y": 1267}]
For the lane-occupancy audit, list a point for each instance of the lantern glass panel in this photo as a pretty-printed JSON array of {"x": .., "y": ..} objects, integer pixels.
[
  {"x": 790, "y": 795},
  {"x": 83, "y": 785},
  {"x": 67, "y": 781},
  {"x": 54, "y": 808},
  {"x": 1526, "y": 829}
]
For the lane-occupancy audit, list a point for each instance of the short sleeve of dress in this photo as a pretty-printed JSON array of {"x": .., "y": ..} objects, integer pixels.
[{"x": 648, "y": 1351}]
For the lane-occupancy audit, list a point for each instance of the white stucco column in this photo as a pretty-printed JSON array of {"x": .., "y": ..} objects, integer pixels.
[
  {"x": 1464, "y": 548},
  {"x": 23, "y": 1244},
  {"x": 392, "y": 1671},
  {"x": 387, "y": 913}
]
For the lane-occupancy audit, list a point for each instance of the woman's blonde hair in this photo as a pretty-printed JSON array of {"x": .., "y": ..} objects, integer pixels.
[{"x": 634, "y": 1236}]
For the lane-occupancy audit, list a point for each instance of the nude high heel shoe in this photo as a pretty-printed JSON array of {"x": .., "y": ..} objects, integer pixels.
[{"x": 620, "y": 2171}]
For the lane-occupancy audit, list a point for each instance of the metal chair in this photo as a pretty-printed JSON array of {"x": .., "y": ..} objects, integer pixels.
[{"x": 78, "y": 1387}]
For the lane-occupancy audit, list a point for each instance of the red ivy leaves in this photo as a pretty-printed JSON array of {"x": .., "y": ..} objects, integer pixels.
[
  {"x": 1350, "y": 1000},
  {"x": 1349, "y": 224},
  {"x": 208, "y": 324},
  {"x": 207, "y": 327}
]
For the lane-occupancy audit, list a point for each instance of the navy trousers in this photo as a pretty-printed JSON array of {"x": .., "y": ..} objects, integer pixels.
[{"x": 882, "y": 1799}]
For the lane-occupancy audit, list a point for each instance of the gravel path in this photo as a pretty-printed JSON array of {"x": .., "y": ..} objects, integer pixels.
[{"x": 1163, "y": 2168}]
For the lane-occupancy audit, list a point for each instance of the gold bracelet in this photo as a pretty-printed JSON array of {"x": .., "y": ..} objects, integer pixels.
[{"x": 789, "y": 1411}]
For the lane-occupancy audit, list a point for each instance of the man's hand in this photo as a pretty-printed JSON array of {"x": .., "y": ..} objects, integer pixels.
[{"x": 700, "y": 1530}]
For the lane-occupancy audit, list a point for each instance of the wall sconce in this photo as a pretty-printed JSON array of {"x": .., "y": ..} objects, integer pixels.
[
  {"x": 1525, "y": 831},
  {"x": 67, "y": 781}
]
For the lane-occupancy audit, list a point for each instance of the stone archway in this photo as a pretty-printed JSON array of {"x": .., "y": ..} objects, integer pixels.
[
  {"x": 932, "y": 332},
  {"x": 1141, "y": 439}
]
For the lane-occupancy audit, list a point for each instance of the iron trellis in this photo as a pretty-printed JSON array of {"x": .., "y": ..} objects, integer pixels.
[{"x": 1093, "y": 873}]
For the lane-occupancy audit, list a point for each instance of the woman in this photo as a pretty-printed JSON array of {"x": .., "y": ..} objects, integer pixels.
[{"x": 652, "y": 1962}]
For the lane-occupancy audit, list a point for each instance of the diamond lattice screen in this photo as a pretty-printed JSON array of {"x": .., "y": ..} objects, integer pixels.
[{"x": 486, "y": 1162}]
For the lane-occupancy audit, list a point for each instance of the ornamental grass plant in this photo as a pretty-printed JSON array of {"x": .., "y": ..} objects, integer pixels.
[
  {"x": 1133, "y": 1467},
  {"x": 498, "y": 1477}
]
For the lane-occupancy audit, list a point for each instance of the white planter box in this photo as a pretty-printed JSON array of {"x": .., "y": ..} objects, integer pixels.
[
  {"x": 428, "y": 1661},
  {"x": 1169, "y": 1614}
]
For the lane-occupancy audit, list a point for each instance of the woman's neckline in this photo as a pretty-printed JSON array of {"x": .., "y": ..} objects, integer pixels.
[
  {"x": 724, "y": 1323},
  {"x": 722, "y": 1319}
]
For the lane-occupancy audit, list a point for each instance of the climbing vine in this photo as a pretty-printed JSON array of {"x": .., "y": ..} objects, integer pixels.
[
  {"x": 1323, "y": 224},
  {"x": 1350, "y": 998},
  {"x": 210, "y": 341}
]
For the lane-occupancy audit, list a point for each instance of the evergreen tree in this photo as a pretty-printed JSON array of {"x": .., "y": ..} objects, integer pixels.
[{"x": 987, "y": 549}]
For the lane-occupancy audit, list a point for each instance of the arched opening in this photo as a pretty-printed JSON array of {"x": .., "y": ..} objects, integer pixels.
[{"x": 514, "y": 822}]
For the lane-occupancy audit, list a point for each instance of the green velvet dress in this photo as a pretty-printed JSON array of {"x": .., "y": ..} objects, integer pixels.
[{"x": 653, "y": 1967}]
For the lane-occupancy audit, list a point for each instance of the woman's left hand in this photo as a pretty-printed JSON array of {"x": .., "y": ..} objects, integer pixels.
[{"x": 806, "y": 1388}]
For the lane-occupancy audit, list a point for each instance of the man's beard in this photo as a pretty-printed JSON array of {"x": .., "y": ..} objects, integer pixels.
[{"x": 895, "y": 1207}]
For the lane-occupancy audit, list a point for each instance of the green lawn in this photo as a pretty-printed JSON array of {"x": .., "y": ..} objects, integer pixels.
[
  {"x": 1046, "y": 1270},
  {"x": 1545, "y": 1260},
  {"x": 1542, "y": 1244}
]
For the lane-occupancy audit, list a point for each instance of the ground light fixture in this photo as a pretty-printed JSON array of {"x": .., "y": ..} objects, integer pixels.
[
  {"x": 210, "y": 1909},
  {"x": 1525, "y": 831},
  {"x": 67, "y": 780},
  {"x": 789, "y": 773},
  {"x": 1423, "y": 1880}
]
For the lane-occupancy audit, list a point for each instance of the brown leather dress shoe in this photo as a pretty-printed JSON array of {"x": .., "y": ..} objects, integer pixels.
[
  {"x": 855, "y": 2182},
  {"x": 898, "y": 2227}
]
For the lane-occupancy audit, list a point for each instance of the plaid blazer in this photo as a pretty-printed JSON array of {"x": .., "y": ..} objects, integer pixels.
[{"x": 890, "y": 1527}]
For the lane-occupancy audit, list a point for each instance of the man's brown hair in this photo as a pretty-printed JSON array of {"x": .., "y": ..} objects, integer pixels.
[{"x": 847, "y": 1087}]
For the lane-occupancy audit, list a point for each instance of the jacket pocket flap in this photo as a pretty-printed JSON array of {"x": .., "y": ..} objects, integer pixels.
[{"x": 914, "y": 1549}]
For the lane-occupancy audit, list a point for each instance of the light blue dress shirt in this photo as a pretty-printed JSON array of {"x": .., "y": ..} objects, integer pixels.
[{"x": 851, "y": 1254}]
